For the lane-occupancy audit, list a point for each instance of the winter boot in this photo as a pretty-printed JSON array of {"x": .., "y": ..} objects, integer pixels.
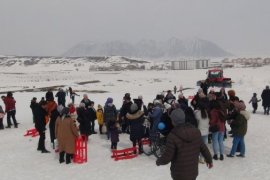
[
  {"x": 1, "y": 124},
  {"x": 215, "y": 157},
  {"x": 61, "y": 157},
  {"x": 45, "y": 151},
  {"x": 221, "y": 157},
  {"x": 229, "y": 155},
  {"x": 68, "y": 158}
]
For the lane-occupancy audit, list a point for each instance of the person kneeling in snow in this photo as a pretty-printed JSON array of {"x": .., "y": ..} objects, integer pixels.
[{"x": 183, "y": 147}]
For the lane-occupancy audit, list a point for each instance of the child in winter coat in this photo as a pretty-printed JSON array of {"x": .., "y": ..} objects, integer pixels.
[
  {"x": 113, "y": 127},
  {"x": 99, "y": 114},
  {"x": 254, "y": 100},
  {"x": 2, "y": 114}
]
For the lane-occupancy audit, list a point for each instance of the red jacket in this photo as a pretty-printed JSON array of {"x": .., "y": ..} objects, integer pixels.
[
  {"x": 215, "y": 119},
  {"x": 9, "y": 103}
]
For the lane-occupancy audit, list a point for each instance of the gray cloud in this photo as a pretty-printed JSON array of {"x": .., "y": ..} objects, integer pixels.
[{"x": 50, "y": 27}]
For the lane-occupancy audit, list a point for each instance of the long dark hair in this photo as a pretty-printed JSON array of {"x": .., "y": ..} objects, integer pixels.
[{"x": 203, "y": 110}]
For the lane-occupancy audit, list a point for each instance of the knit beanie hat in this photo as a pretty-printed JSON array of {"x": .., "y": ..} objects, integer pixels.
[
  {"x": 133, "y": 108},
  {"x": 109, "y": 100},
  {"x": 178, "y": 117}
]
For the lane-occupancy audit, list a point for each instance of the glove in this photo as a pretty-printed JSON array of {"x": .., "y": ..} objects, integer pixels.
[{"x": 209, "y": 165}]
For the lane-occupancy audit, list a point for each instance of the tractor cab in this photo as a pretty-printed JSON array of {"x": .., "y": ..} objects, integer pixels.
[{"x": 215, "y": 74}]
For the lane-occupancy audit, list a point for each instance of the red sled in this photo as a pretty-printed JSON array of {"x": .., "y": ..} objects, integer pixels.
[
  {"x": 124, "y": 154},
  {"x": 80, "y": 155},
  {"x": 32, "y": 132}
]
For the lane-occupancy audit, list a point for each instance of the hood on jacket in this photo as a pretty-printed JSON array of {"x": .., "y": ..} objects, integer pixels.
[
  {"x": 246, "y": 114},
  {"x": 136, "y": 115}
]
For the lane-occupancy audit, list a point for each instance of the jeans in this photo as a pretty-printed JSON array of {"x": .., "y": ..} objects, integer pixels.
[
  {"x": 217, "y": 141},
  {"x": 12, "y": 115},
  {"x": 205, "y": 139},
  {"x": 238, "y": 140}
]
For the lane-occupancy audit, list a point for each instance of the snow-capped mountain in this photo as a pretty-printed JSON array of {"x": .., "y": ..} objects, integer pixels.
[{"x": 172, "y": 48}]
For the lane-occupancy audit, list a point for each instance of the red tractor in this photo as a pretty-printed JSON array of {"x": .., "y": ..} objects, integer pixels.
[{"x": 215, "y": 78}]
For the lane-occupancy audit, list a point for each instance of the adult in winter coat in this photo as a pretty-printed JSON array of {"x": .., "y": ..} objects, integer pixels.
[
  {"x": 66, "y": 133},
  {"x": 155, "y": 115},
  {"x": 183, "y": 146},
  {"x": 202, "y": 118},
  {"x": 100, "y": 118},
  {"x": 40, "y": 124},
  {"x": 182, "y": 101},
  {"x": 86, "y": 100},
  {"x": 239, "y": 130},
  {"x": 92, "y": 116},
  {"x": 123, "y": 112},
  {"x": 217, "y": 127},
  {"x": 10, "y": 102},
  {"x": 54, "y": 115},
  {"x": 49, "y": 95},
  {"x": 110, "y": 114},
  {"x": 169, "y": 96},
  {"x": 266, "y": 100},
  {"x": 85, "y": 126},
  {"x": 33, "y": 106},
  {"x": 61, "y": 95},
  {"x": 136, "y": 120}
]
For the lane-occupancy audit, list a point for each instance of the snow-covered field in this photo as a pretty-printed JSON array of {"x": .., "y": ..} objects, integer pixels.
[{"x": 20, "y": 159}]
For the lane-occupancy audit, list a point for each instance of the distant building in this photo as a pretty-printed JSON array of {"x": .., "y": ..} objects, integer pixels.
[{"x": 189, "y": 64}]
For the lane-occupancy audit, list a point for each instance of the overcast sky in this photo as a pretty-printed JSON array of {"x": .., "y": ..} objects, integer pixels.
[{"x": 51, "y": 27}]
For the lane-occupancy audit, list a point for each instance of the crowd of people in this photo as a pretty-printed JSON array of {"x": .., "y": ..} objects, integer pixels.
[{"x": 196, "y": 123}]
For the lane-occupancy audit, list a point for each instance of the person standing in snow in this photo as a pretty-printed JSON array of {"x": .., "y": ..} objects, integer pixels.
[
  {"x": 174, "y": 89},
  {"x": 66, "y": 133},
  {"x": 241, "y": 116},
  {"x": 254, "y": 100},
  {"x": 49, "y": 95},
  {"x": 2, "y": 115},
  {"x": 33, "y": 106},
  {"x": 266, "y": 100},
  {"x": 92, "y": 116},
  {"x": 123, "y": 112},
  {"x": 100, "y": 118},
  {"x": 136, "y": 120},
  {"x": 86, "y": 100},
  {"x": 40, "y": 124},
  {"x": 85, "y": 126},
  {"x": 10, "y": 102},
  {"x": 183, "y": 146},
  {"x": 202, "y": 117},
  {"x": 72, "y": 96},
  {"x": 110, "y": 114},
  {"x": 217, "y": 127},
  {"x": 61, "y": 95}
]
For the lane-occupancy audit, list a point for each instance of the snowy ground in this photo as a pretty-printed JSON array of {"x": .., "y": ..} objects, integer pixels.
[{"x": 20, "y": 160}]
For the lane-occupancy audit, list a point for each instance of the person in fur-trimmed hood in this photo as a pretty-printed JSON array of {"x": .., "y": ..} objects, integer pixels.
[
  {"x": 136, "y": 120},
  {"x": 241, "y": 116}
]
